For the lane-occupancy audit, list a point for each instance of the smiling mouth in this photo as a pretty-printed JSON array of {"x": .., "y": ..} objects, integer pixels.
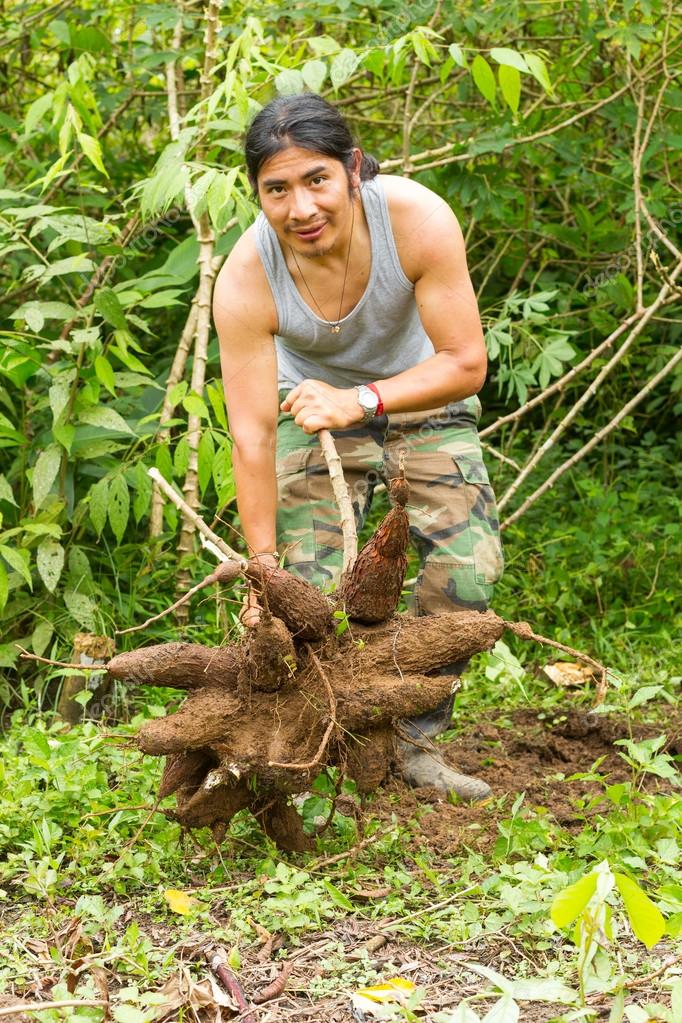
[{"x": 310, "y": 233}]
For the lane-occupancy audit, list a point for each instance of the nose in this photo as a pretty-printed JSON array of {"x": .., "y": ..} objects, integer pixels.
[{"x": 302, "y": 205}]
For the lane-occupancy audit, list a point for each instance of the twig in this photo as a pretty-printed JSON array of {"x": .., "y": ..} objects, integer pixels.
[
  {"x": 154, "y": 809},
  {"x": 175, "y": 375},
  {"x": 275, "y": 989},
  {"x": 226, "y": 572},
  {"x": 417, "y": 158},
  {"x": 179, "y": 502},
  {"x": 599, "y": 436},
  {"x": 524, "y": 631},
  {"x": 503, "y": 458},
  {"x": 231, "y": 985},
  {"x": 329, "y": 860},
  {"x": 563, "y": 381},
  {"x": 588, "y": 393},
  {"x": 429, "y": 909},
  {"x": 637, "y": 154},
  {"x": 330, "y": 727},
  {"x": 65, "y": 1003},
  {"x": 343, "y": 499},
  {"x": 26, "y": 656}
]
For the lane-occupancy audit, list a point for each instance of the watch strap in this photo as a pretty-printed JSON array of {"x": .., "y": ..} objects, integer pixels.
[{"x": 380, "y": 406}]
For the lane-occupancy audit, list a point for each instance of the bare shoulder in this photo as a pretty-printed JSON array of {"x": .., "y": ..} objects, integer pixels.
[
  {"x": 422, "y": 222},
  {"x": 242, "y": 292}
]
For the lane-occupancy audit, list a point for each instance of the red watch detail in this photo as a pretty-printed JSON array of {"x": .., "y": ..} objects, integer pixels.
[{"x": 380, "y": 406}]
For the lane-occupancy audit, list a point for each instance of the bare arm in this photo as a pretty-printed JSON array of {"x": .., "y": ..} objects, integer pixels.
[{"x": 245, "y": 320}]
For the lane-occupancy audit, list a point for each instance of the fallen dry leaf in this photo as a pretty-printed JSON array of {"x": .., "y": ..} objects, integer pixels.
[
  {"x": 180, "y": 902},
  {"x": 568, "y": 674}
]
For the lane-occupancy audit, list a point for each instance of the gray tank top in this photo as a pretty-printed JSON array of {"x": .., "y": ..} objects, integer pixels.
[{"x": 383, "y": 334}]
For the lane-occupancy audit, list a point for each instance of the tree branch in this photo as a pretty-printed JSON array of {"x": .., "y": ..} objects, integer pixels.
[{"x": 343, "y": 498}]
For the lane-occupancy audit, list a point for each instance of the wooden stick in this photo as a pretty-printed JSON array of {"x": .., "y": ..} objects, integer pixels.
[
  {"x": 26, "y": 656},
  {"x": 343, "y": 499},
  {"x": 179, "y": 502},
  {"x": 598, "y": 437},
  {"x": 10, "y": 1010}
]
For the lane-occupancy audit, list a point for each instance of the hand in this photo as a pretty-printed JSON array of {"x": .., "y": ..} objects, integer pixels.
[
  {"x": 250, "y": 613},
  {"x": 319, "y": 406}
]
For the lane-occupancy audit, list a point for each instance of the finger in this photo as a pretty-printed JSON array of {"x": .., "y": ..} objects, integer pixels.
[{"x": 290, "y": 398}]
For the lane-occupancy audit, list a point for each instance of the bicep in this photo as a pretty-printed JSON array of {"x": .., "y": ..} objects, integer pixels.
[{"x": 444, "y": 293}]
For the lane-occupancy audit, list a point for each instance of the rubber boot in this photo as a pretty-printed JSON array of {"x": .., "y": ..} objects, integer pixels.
[{"x": 420, "y": 761}]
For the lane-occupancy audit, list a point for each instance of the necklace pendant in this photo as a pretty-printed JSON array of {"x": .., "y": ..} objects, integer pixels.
[{"x": 336, "y": 329}]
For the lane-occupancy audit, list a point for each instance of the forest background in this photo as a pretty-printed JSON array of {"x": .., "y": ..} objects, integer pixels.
[{"x": 552, "y": 130}]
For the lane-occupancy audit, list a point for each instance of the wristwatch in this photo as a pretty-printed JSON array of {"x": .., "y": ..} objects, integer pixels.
[{"x": 369, "y": 402}]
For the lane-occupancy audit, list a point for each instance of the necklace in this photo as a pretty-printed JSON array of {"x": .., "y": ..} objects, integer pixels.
[{"x": 335, "y": 327}]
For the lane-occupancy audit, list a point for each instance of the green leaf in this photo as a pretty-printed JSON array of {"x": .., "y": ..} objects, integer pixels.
[
  {"x": 130, "y": 1014},
  {"x": 457, "y": 54},
  {"x": 41, "y": 636},
  {"x": 570, "y": 903},
  {"x": 510, "y": 86},
  {"x": 119, "y": 506},
  {"x": 483, "y": 76},
  {"x": 4, "y": 587},
  {"x": 323, "y": 46},
  {"x": 195, "y": 405},
  {"x": 19, "y": 559},
  {"x": 538, "y": 69},
  {"x": 60, "y": 393},
  {"x": 6, "y": 491},
  {"x": 105, "y": 373},
  {"x": 110, "y": 309},
  {"x": 106, "y": 418},
  {"x": 337, "y": 896},
  {"x": 645, "y": 918},
  {"x": 509, "y": 58},
  {"x": 37, "y": 111},
  {"x": 643, "y": 695},
  {"x": 98, "y": 504},
  {"x": 342, "y": 66},
  {"x": 505, "y": 1010},
  {"x": 45, "y": 473},
  {"x": 143, "y": 491},
  {"x": 217, "y": 400},
  {"x": 205, "y": 455},
  {"x": 314, "y": 73},
  {"x": 289, "y": 82},
  {"x": 93, "y": 151},
  {"x": 50, "y": 562}
]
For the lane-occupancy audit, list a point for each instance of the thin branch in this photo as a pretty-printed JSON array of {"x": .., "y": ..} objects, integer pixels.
[
  {"x": 177, "y": 371},
  {"x": 226, "y": 572},
  {"x": 589, "y": 392},
  {"x": 179, "y": 502},
  {"x": 428, "y": 154},
  {"x": 343, "y": 498},
  {"x": 637, "y": 154},
  {"x": 524, "y": 631},
  {"x": 26, "y": 656},
  {"x": 65, "y": 1003},
  {"x": 598, "y": 437}
]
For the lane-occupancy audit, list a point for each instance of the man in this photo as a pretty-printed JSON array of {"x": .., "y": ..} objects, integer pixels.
[{"x": 348, "y": 306}]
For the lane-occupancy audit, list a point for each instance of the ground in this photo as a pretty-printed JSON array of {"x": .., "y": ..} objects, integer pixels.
[{"x": 438, "y": 890}]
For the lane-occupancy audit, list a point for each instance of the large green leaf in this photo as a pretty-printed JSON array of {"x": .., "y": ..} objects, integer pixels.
[
  {"x": 119, "y": 506},
  {"x": 483, "y": 76},
  {"x": 45, "y": 473},
  {"x": 570, "y": 903},
  {"x": 645, "y": 918},
  {"x": 50, "y": 562}
]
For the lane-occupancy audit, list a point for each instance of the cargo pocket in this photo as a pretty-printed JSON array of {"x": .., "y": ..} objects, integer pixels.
[{"x": 484, "y": 525}]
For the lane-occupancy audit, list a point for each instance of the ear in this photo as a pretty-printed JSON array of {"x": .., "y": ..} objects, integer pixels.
[{"x": 354, "y": 174}]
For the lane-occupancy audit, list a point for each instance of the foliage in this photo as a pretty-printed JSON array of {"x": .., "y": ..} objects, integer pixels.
[{"x": 100, "y": 254}]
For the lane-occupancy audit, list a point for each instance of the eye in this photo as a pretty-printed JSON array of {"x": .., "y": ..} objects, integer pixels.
[{"x": 318, "y": 179}]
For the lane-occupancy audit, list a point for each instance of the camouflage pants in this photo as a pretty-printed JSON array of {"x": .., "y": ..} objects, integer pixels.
[{"x": 453, "y": 517}]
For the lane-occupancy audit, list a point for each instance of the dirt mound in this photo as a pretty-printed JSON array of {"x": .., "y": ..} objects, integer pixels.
[{"x": 535, "y": 755}]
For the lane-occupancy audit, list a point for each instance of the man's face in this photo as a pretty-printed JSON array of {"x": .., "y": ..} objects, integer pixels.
[{"x": 305, "y": 197}]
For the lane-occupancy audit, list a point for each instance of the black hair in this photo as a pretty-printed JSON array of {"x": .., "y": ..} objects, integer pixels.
[{"x": 307, "y": 121}]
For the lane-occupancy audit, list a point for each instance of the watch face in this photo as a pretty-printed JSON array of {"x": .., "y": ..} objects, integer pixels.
[{"x": 368, "y": 400}]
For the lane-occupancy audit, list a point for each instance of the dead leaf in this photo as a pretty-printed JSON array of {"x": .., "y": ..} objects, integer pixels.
[
  {"x": 372, "y": 893},
  {"x": 569, "y": 674},
  {"x": 369, "y": 1000},
  {"x": 181, "y": 991},
  {"x": 180, "y": 902}
]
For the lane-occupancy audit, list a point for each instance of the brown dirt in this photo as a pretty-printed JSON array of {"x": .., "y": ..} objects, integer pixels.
[{"x": 525, "y": 757}]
